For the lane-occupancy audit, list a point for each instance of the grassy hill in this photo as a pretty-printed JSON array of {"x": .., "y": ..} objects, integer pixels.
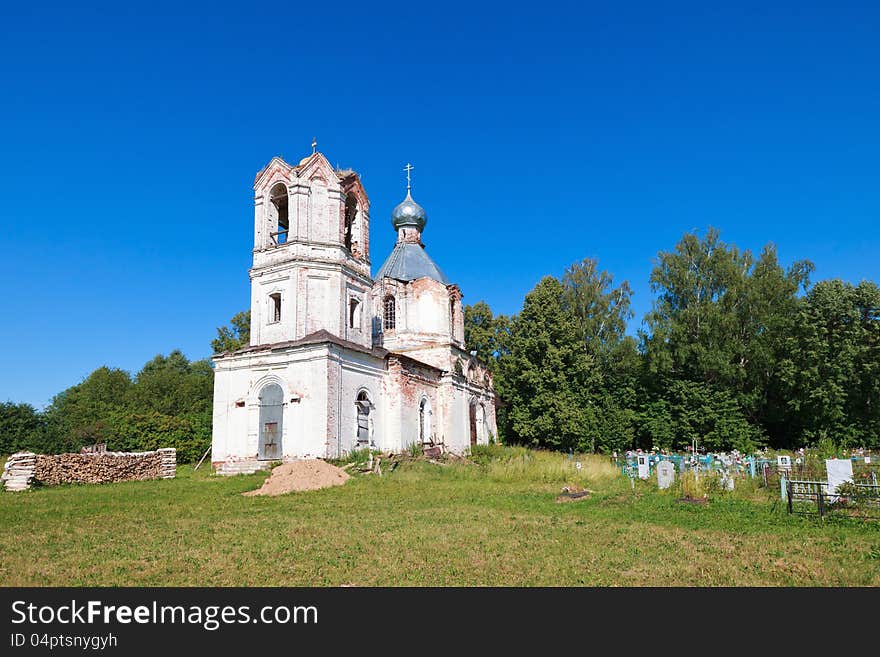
[{"x": 496, "y": 522}]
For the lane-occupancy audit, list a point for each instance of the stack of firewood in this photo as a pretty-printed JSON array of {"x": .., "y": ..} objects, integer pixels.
[
  {"x": 97, "y": 468},
  {"x": 19, "y": 470},
  {"x": 167, "y": 462}
]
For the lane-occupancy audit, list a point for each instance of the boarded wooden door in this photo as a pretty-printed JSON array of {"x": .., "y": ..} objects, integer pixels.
[{"x": 271, "y": 418}]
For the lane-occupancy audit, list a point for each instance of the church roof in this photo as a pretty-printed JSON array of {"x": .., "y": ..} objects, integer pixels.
[
  {"x": 408, "y": 262},
  {"x": 320, "y": 336}
]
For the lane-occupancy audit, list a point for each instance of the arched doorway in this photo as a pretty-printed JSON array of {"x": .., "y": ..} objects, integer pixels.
[
  {"x": 473, "y": 421},
  {"x": 364, "y": 407},
  {"x": 271, "y": 419}
]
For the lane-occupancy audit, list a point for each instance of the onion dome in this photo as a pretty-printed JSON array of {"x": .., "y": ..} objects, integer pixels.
[{"x": 409, "y": 213}]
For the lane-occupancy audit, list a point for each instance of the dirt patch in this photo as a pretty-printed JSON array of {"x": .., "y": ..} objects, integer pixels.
[
  {"x": 301, "y": 475},
  {"x": 573, "y": 493},
  {"x": 692, "y": 500}
]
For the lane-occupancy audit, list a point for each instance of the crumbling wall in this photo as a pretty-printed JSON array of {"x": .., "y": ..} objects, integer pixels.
[
  {"x": 25, "y": 468},
  {"x": 409, "y": 381}
]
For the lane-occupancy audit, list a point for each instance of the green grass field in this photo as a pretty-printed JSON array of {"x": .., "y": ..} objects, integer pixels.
[{"x": 497, "y": 523}]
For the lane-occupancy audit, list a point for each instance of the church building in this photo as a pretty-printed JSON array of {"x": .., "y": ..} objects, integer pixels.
[{"x": 338, "y": 359}]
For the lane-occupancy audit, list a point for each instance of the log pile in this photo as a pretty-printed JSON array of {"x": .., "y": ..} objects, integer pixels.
[
  {"x": 18, "y": 471},
  {"x": 167, "y": 462},
  {"x": 25, "y": 468}
]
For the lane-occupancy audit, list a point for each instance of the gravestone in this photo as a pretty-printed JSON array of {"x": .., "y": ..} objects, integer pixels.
[
  {"x": 839, "y": 472},
  {"x": 665, "y": 474},
  {"x": 644, "y": 468},
  {"x": 783, "y": 463},
  {"x": 726, "y": 481}
]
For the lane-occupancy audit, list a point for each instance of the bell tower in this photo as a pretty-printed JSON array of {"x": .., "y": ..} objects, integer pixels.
[{"x": 311, "y": 268}]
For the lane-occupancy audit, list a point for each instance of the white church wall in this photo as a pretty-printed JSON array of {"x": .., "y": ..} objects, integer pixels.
[
  {"x": 263, "y": 318},
  {"x": 457, "y": 427},
  {"x": 358, "y": 373},
  {"x": 302, "y": 375},
  {"x": 428, "y": 308}
]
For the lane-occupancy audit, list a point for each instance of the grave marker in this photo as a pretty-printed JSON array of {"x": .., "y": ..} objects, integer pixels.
[
  {"x": 839, "y": 472},
  {"x": 726, "y": 481},
  {"x": 665, "y": 474},
  {"x": 644, "y": 468}
]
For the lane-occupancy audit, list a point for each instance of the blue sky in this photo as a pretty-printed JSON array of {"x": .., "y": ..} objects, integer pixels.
[{"x": 130, "y": 136}]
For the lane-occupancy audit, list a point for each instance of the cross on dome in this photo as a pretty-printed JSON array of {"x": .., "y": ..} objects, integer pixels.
[{"x": 409, "y": 167}]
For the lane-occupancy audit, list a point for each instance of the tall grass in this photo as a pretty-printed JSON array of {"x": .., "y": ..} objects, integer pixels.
[{"x": 515, "y": 464}]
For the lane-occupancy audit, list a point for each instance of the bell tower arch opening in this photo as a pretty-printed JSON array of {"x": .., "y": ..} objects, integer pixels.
[
  {"x": 279, "y": 206},
  {"x": 348, "y": 229}
]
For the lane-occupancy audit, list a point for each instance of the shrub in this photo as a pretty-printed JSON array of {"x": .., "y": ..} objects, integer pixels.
[
  {"x": 692, "y": 486},
  {"x": 190, "y": 435}
]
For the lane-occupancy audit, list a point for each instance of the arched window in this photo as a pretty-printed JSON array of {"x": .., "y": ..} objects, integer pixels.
[
  {"x": 389, "y": 313},
  {"x": 354, "y": 319},
  {"x": 364, "y": 406},
  {"x": 278, "y": 198},
  {"x": 348, "y": 227},
  {"x": 275, "y": 307}
]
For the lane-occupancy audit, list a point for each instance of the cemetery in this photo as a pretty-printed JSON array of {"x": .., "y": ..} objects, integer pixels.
[{"x": 804, "y": 482}]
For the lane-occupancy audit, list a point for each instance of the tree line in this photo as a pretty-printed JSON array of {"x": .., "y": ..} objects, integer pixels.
[
  {"x": 737, "y": 352},
  {"x": 167, "y": 404}
]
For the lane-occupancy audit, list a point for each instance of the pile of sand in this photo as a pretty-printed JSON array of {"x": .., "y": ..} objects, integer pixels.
[{"x": 301, "y": 475}]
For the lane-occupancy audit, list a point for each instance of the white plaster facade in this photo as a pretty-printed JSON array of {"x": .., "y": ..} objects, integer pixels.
[{"x": 326, "y": 371}]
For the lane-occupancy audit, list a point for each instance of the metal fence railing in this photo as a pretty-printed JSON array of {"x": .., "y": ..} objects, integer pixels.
[{"x": 853, "y": 499}]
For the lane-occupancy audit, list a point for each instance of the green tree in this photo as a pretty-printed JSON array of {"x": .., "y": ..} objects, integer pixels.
[
  {"x": 172, "y": 385},
  {"x": 486, "y": 333},
  {"x": 544, "y": 377},
  {"x": 720, "y": 319},
  {"x": 235, "y": 336},
  {"x": 600, "y": 310},
  {"x": 168, "y": 404},
  {"x": 831, "y": 370},
  {"x": 21, "y": 428},
  {"x": 78, "y": 415}
]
